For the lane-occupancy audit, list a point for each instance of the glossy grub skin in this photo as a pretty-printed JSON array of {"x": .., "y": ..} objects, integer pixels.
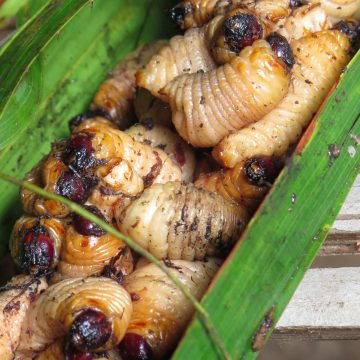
[
  {"x": 281, "y": 48},
  {"x": 185, "y": 54},
  {"x": 319, "y": 60},
  {"x": 208, "y": 106},
  {"x": 35, "y": 243},
  {"x": 304, "y": 21},
  {"x": 61, "y": 350},
  {"x": 177, "y": 221},
  {"x": 83, "y": 255},
  {"x": 161, "y": 312},
  {"x": 246, "y": 184},
  {"x": 340, "y": 9},
  {"x": 14, "y": 304},
  {"x": 54, "y": 312},
  {"x": 151, "y": 110},
  {"x": 160, "y": 137},
  {"x": 239, "y": 28},
  {"x": 195, "y": 13},
  {"x": 116, "y": 95},
  {"x": 125, "y": 166}
]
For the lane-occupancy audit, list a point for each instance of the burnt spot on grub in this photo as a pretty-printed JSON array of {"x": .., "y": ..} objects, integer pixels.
[
  {"x": 90, "y": 330},
  {"x": 241, "y": 30},
  {"x": 86, "y": 227},
  {"x": 37, "y": 250},
  {"x": 281, "y": 48},
  {"x": 135, "y": 347},
  {"x": 261, "y": 170}
]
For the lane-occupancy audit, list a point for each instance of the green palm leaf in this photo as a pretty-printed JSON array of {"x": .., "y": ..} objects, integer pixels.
[{"x": 50, "y": 71}]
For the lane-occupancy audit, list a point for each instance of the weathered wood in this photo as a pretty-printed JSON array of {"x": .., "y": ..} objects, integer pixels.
[
  {"x": 344, "y": 238},
  {"x": 326, "y": 306}
]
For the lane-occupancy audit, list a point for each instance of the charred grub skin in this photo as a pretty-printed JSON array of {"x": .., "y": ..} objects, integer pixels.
[
  {"x": 261, "y": 170},
  {"x": 90, "y": 330},
  {"x": 241, "y": 30},
  {"x": 79, "y": 154},
  {"x": 37, "y": 251},
  {"x": 86, "y": 227},
  {"x": 281, "y": 48},
  {"x": 135, "y": 347},
  {"x": 352, "y": 30}
]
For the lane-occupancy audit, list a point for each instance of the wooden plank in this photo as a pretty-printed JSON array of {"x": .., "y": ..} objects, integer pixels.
[
  {"x": 344, "y": 238},
  {"x": 326, "y": 306}
]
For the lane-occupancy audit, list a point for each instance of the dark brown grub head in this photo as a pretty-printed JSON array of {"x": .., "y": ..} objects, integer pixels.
[
  {"x": 179, "y": 12},
  {"x": 241, "y": 30},
  {"x": 79, "y": 154},
  {"x": 261, "y": 170},
  {"x": 281, "y": 48},
  {"x": 74, "y": 187},
  {"x": 37, "y": 253},
  {"x": 86, "y": 227},
  {"x": 90, "y": 330},
  {"x": 135, "y": 347},
  {"x": 352, "y": 30}
]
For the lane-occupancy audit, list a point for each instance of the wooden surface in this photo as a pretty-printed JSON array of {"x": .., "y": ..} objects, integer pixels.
[
  {"x": 326, "y": 306},
  {"x": 344, "y": 238}
]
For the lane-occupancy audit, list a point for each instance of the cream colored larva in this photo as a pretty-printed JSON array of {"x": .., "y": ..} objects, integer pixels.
[
  {"x": 88, "y": 255},
  {"x": 116, "y": 94},
  {"x": 208, "y": 106},
  {"x": 340, "y": 9},
  {"x": 304, "y": 21},
  {"x": 60, "y": 350},
  {"x": 185, "y": 54},
  {"x": 320, "y": 58},
  {"x": 161, "y": 312},
  {"x": 63, "y": 309},
  {"x": 176, "y": 221},
  {"x": 195, "y": 13},
  {"x": 14, "y": 304},
  {"x": 160, "y": 137}
]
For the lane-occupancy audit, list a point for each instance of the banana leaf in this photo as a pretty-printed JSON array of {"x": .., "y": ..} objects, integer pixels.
[{"x": 49, "y": 73}]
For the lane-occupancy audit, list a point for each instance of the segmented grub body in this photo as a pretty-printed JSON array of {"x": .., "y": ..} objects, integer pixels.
[
  {"x": 208, "y": 106},
  {"x": 176, "y": 221},
  {"x": 320, "y": 58},
  {"x": 185, "y": 54},
  {"x": 161, "y": 311},
  {"x": 84, "y": 256},
  {"x": 35, "y": 243},
  {"x": 246, "y": 184},
  {"x": 14, "y": 304},
  {"x": 70, "y": 307},
  {"x": 116, "y": 95},
  {"x": 160, "y": 137}
]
